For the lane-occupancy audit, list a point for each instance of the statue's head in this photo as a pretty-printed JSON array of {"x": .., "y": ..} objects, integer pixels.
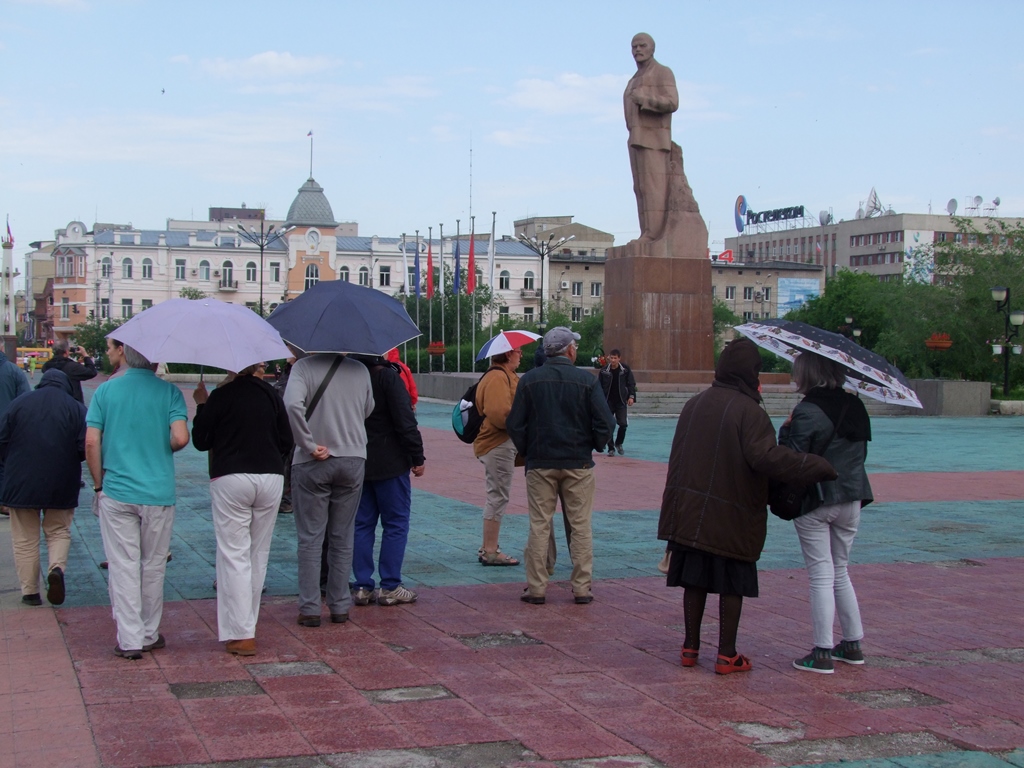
[{"x": 643, "y": 47}]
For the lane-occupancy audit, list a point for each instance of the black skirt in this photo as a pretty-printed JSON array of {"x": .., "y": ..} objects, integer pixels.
[{"x": 695, "y": 568}]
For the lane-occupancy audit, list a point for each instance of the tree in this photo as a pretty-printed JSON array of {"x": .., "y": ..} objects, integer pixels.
[
  {"x": 968, "y": 267},
  {"x": 92, "y": 334},
  {"x": 188, "y": 292},
  {"x": 722, "y": 318}
]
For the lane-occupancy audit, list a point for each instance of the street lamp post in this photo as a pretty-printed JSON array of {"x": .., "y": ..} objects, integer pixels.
[
  {"x": 262, "y": 240},
  {"x": 544, "y": 249},
  {"x": 1001, "y": 296}
]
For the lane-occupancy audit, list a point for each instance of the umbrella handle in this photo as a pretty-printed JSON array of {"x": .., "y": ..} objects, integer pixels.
[{"x": 200, "y": 374}]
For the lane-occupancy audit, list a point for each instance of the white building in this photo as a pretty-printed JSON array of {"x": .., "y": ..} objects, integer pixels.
[{"x": 116, "y": 270}]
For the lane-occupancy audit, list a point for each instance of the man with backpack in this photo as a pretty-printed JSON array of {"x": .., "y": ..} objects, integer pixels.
[{"x": 493, "y": 447}]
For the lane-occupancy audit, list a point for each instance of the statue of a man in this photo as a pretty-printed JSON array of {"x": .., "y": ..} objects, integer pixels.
[{"x": 649, "y": 100}]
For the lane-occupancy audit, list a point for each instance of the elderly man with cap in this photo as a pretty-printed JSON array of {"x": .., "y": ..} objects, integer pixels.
[{"x": 559, "y": 418}]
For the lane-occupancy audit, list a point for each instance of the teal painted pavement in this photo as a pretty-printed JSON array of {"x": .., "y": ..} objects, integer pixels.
[
  {"x": 941, "y": 760},
  {"x": 899, "y": 444},
  {"x": 446, "y": 533}
]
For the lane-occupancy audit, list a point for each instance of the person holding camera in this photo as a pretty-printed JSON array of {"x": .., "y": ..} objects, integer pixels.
[{"x": 73, "y": 363}]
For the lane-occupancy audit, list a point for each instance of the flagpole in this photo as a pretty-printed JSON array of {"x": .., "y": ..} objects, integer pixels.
[
  {"x": 417, "y": 283},
  {"x": 440, "y": 236},
  {"x": 430, "y": 291},
  {"x": 458, "y": 299},
  {"x": 490, "y": 256},
  {"x": 471, "y": 281},
  {"x": 405, "y": 293},
  {"x": 310, "y": 135}
]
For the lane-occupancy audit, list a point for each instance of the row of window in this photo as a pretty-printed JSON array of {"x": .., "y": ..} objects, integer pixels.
[
  {"x": 877, "y": 238},
  {"x": 790, "y": 246},
  {"x": 66, "y": 309},
  {"x": 763, "y": 294},
  {"x": 972, "y": 239},
  {"x": 312, "y": 276},
  {"x": 868, "y": 259}
]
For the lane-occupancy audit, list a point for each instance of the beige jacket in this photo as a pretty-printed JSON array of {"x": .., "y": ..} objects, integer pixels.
[{"x": 494, "y": 396}]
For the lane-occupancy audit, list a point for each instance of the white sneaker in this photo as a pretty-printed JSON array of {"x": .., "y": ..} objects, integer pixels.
[
  {"x": 363, "y": 596},
  {"x": 395, "y": 596}
]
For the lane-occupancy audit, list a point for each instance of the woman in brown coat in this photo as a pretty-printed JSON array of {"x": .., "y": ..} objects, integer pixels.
[{"x": 713, "y": 511}]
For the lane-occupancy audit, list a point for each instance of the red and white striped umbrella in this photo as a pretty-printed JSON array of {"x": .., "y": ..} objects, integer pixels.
[{"x": 505, "y": 342}]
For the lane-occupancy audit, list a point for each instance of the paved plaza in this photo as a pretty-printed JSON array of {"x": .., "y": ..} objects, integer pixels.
[{"x": 471, "y": 676}]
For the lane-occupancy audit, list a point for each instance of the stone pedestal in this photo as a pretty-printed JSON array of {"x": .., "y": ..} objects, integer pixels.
[{"x": 657, "y": 306}]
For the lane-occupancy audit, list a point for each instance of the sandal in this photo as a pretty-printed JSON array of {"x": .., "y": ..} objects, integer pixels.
[
  {"x": 481, "y": 552},
  {"x": 688, "y": 657},
  {"x": 497, "y": 558},
  {"x": 726, "y": 665}
]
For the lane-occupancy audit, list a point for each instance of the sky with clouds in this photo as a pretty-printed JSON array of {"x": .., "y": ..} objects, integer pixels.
[{"x": 137, "y": 111}]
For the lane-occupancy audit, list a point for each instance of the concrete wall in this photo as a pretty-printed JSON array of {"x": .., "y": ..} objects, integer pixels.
[{"x": 953, "y": 398}]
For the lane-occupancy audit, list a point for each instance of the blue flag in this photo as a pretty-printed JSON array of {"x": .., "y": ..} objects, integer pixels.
[
  {"x": 458, "y": 263},
  {"x": 417, "y": 267}
]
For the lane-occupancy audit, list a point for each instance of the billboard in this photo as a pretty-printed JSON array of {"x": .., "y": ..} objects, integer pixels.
[
  {"x": 918, "y": 257},
  {"x": 793, "y": 292}
]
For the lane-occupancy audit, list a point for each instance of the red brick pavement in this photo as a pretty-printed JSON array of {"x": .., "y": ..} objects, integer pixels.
[{"x": 603, "y": 680}]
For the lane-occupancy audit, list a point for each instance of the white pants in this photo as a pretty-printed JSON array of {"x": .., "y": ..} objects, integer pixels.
[
  {"x": 244, "y": 513},
  {"x": 826, "y": 535},
  {"x": 136, "y": 539}
]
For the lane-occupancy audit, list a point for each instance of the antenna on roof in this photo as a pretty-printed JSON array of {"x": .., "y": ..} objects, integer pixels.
[
  {"x": 951, "y": 206},
  {"x": 310, "y": 135}
]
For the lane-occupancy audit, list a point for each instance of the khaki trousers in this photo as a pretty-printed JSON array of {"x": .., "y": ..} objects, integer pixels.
[
  {"x": 543, "y": 488},
  {"x": 25, "y": 542}
]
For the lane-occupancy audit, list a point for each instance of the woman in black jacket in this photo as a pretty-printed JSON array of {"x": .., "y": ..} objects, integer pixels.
[
  {"x": 833, "y": 423},
  {"x": 244, "y": 426}
]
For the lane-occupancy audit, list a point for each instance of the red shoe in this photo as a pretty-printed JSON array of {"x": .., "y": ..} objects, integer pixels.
[
  {"x": 688, "y": 657},
  {"x": 726, "y": 665}
]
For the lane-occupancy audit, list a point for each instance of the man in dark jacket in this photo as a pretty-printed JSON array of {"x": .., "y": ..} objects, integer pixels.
[
  {"x": 76, "y": 371},
  {"x": 620, "y": 390},
  {"x": 393, "y": 448},
  {"x": 558, "y": 418},
  {"x": 13, "y": 382},
  {"x": 42, "y": 442}
]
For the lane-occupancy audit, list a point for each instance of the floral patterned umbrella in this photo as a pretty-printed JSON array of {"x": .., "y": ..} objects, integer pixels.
[{"x": 867, "y": 373}]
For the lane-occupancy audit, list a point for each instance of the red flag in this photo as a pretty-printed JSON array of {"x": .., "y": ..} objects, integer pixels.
[
  {"x": 471, "y": 270},
  {"x": 10, "y": 237},
  {"x": 430, "y": 270}
]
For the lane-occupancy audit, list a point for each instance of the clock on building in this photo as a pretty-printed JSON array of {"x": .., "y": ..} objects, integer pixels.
[{"x": 313, "y": 241}]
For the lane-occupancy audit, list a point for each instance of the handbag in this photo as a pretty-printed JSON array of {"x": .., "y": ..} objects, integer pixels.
[{"x": 786, "y": 500}]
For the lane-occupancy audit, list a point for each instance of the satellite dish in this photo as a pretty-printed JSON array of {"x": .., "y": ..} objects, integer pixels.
[
  {"x": 824, "y": 217},
  {"x": 860, "y": 213},
  {"x": 951, "y": 206},
  {"x": 874, "y": 205},
  {"x": 996, "y": 202},
  {"x": 978, "y": 200}
]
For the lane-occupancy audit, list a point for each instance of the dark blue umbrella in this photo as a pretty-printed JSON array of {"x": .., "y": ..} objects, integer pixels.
[{"x": 337, "y": 316}]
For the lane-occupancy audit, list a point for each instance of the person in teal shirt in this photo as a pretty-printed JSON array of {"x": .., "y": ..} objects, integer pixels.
[{"x": 134, "y": 425}]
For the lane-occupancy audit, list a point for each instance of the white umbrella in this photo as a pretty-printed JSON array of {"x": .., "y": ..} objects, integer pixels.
[
  {"x": 867, "y": 372},
  {"x": 202, "y": 332}
]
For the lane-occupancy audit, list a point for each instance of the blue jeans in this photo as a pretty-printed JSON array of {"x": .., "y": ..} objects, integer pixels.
[{"x": 389, "y": 501}]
